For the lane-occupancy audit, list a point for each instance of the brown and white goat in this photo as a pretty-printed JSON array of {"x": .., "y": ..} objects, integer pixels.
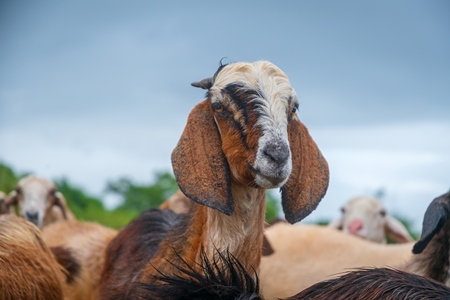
[
  {"x": 243, "y": 139},
  {"x": 39, "y": 201}
]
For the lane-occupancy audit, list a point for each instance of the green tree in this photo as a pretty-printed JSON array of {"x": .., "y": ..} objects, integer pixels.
[
  {"x": 272, "y": 208},
  {"x": 9, "y": 178},
  {"x": 139, "y": 198}
]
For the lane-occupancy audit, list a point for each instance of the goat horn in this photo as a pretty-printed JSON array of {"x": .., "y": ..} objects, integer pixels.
[{"x": 205, "y": 84}]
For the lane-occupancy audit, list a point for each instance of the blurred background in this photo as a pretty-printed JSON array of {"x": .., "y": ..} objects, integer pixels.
[{"x": 95, "y": 94}]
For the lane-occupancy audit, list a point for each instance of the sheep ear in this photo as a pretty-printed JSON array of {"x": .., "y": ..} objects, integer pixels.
[
  {"x": 205, "y": 84},
  {"x": 198, "y": 162},
  {"x": 396, "y": 231},
  {"x": 436, "y": 215},
  {"x": 336, "y": 223},
  {"x": 60, "y": 201},
  {"x": 308, "y": 181}
]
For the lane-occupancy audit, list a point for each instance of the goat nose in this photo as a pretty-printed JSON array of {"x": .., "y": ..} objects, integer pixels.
[
  {"x": 355, "y": 226},
  {"x": 32, "y": 216},
  {"x": 277, "y": 152}
]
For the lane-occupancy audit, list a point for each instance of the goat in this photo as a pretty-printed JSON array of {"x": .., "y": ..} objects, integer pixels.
[
  {"x": 28, "y": 269},
  {"x": 85, "y": 243},
  {"x": 39, "y": 201},
  {"x": 305, "y": 255},
  {"x": 367, "y": 218},
  {"x": 244, "y": 138}
]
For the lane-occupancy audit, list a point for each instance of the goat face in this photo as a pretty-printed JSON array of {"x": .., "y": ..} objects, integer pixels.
[
  {"x": 252, "y": 105},
  {"x": 35, "y": 197},
  {"x": 247, "y": 132}
]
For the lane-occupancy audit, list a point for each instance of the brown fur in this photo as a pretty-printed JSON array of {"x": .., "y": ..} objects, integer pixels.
[
  {"x": 28, "y": 269},
  {"x": 87, "y": 243}
]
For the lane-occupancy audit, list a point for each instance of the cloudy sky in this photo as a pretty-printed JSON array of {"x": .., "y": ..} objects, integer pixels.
[{"x": 95, "y": 90}]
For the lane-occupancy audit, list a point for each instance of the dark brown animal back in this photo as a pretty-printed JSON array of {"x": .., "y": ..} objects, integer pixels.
[
  {"x": 376, "y": 284},
  {"x": 132, "y": 248}
]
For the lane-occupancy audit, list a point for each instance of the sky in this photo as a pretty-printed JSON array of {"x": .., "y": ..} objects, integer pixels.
[{"x": 98, "y": 90}]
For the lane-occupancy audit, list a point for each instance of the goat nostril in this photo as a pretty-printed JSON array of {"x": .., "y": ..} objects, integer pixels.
[
  {"x": 32, "y": 215},
  {"x": 278, "y": 152}
]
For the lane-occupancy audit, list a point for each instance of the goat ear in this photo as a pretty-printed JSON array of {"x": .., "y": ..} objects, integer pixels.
[
  {"x": 308, "y": 181},
  {"x": 198, "y": 162},
  {"x": 205, "y": 84},
  {"x": 266, "y": 247},
  {"x": 436, "y": 215},
  {"x": 396, "y": 231},
  {"x": 61, "y": 202},
  {"x": 336, "y": 223},
  {"x": 12, "y": 199}
]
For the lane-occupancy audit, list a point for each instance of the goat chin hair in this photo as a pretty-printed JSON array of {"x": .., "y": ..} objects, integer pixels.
[
  {"x": 222, "y": 278},
  {"x": 376, "y": 284}
]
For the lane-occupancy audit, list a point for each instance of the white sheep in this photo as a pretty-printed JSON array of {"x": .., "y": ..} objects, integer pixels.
[
  {"x": 39, "y": 201},
  {"x": 367, "y": 218}
]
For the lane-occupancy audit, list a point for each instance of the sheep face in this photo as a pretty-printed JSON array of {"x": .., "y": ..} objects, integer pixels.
[
  {"x": 252, "y": 105},
  {"x": 35, "y": 197},
  {"x": 364, "y": 217},
  {"x": 367, "y": 218}
]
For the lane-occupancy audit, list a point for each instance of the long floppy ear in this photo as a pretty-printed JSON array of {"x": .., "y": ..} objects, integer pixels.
[
  {"x": 436, "y": 216},
  {"x": 396, "y": 231},
  {"x": 61, "y": 202},
  {"x": 198, "y": 162},
  {"x": 336, "y": 223},
  {"x": 308, "y": 182}
]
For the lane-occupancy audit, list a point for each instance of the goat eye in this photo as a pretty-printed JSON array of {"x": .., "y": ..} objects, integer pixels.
[
  {"x": 294, "y": 110},
  {"x": 383, "y": 213},
  {"x": 218, "y": 107},
  {"x": 343, "y": 210}
]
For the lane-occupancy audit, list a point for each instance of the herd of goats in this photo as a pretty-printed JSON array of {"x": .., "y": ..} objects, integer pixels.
[{"x": 210, "y": 239}]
